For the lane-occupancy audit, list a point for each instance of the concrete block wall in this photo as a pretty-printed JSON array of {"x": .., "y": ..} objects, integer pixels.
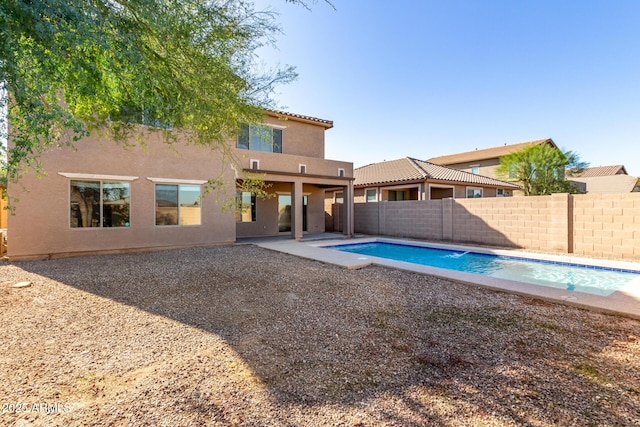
[
  {"x": 539, "y": 223},
  {"x": 418, "y": 219},
  {"x": 606, "y": 225},
  {"x": 366, "y": 218}
]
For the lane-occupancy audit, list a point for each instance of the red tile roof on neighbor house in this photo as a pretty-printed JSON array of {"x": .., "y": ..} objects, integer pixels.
[
  {"x": 602, "y": 171},
  {"x": 410, "y": 169},
  {"x": 326, "y": 123},
  {"x": 487, "y": 153}
]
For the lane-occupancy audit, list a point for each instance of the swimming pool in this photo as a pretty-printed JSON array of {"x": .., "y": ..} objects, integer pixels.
[{"x": 562, "y": 275}]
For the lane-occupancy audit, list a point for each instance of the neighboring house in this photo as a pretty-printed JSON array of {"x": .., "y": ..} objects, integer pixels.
[
  {"x": 605, "y": 179},
  {"x": 411, "y": 179},
  {"x": 485, "y": 161},
  {"x": 106, "y": 197}
]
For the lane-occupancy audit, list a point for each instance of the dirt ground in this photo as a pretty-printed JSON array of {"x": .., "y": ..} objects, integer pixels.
[{"x": 242, "y": 336}]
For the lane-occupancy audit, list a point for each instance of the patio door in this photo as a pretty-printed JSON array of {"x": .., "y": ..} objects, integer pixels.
[{"x": 284, "y": 212}]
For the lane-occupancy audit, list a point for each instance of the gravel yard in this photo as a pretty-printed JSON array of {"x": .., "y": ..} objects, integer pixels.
[{"x": 238, "y": 335}]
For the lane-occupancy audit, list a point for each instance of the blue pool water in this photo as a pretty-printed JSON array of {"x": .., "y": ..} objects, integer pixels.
[{"x": 574, "y": 277}]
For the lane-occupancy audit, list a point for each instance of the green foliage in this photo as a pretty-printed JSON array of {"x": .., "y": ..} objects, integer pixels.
[
  {"x": 69, "y": 66},
  {"x": 541, "y": 169}
]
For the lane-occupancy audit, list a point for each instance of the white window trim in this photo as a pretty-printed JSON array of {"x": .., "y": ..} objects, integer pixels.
[
  {"x": 466, "y": 192},
  {"x": 341, "y": 172},
  {"x": 474, "y": 166},
  {"x": 97, "y": 177},
  {"x": 177, "y": 181},
  {"x": 453, "y": 187},
  {"x": 301, "y": 166},
  {"x": 252, "y": 162}
]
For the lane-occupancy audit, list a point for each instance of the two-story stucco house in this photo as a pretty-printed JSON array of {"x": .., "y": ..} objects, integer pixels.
[
  {"x": 485, "y": 161},
  {"x": 605, "y": 179},
  {"x": 105, "y": 197}
]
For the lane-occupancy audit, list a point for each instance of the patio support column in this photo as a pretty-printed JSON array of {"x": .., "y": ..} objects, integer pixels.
[
  {"x": 296, "y": 210},
  {"x": 347, "y": 223}
]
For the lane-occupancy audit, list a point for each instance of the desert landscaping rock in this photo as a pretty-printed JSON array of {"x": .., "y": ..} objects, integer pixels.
[
  {"x": 21, "y": 285},
  {"x": 242, "y": 336}
]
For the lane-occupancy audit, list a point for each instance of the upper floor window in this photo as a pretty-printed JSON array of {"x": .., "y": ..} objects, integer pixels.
[
  {"x": 99, "y": 204},
  {"x": 475, "y": 169},
  {"x": 260, "y": 138},
  {"x": 140, "y": 115}
]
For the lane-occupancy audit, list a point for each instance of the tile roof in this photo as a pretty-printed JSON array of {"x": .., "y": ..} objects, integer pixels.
[
  {"x": 486, "y": 153},
  {"x": 410, "y": 169},
  {"x": 326, "y": 123},
  {"x": 602, "y": 171}
]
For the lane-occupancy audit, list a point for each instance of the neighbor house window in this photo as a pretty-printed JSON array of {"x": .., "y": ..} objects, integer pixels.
[
  {"x": 500, "y": 192},
  {"x": 372, "y": 195},
  {"x": 475, "y": 169},
  {"x": 178, "y": 204},
  {"x": 99, "y": 204},
  {"x": 473, "y": 193},
  {"x": 339, "y": 197},
  {"x": 260, "y": 138},
  {"x": 245, "y": 206}
]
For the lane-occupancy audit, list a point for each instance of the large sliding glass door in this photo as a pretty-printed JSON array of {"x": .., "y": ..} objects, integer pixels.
[{"x": 284, "y": 212}]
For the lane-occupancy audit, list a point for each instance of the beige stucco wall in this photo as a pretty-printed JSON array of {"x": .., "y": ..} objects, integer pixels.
[
  {"x": 606, "y": 225},
  {"x": 487, "y": 167},
  {"x": 301, "y": 138},
  {"x": 40, "y": 226}
]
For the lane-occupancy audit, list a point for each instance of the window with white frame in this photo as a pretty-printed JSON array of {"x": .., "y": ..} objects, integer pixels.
[
  {"x": 475, "y": 169},
  {"x": 371, "y": 195},
  {"x": 500, "y": 192},
  {"x": 178, "y": 204},
  {"x": 338, "y": 197},
  {"x": 97, "y": 203},
  {"x": 473, "y": 193},
  {"x": 260, "y": 138}
]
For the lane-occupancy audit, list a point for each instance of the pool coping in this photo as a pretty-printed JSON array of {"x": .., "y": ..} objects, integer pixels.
[{"x": 623, "y": 302}]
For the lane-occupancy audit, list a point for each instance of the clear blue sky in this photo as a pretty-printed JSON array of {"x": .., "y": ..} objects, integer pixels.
[{"x": 427, "y": 78}]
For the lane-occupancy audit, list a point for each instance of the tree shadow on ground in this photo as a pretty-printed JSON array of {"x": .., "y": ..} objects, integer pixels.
[{"x": 436, "y": 352}]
